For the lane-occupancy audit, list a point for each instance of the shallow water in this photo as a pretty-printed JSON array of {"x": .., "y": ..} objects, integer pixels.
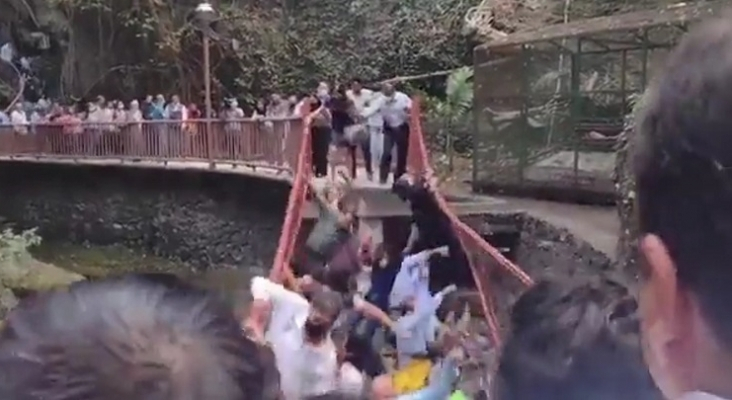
[{"x": 96, "y": 262}]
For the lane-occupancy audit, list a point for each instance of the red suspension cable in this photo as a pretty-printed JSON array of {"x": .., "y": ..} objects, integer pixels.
[
  {"x": 469, "y": 239},
  {"x": 295, "y": 208}
]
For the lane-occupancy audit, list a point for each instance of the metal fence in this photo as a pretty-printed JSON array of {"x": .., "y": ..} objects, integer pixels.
[
  {"x": 272, "y": 143},
  {"x": 547, "y": 114}
]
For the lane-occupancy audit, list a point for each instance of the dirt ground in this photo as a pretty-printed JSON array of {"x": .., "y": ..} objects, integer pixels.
[{"x": 597, "y": 225}]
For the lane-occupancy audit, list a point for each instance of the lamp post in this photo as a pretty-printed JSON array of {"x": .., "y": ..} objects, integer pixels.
[{"x": 205, "y": 15}]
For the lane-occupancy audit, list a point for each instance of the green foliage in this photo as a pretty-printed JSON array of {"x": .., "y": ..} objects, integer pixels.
[
  {"x": 14, "y": 247},
  {"x": 449, "y": 118},
  {"x": 134, "y": 47}
]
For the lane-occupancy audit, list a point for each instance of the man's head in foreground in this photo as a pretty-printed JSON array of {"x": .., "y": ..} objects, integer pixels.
[
  {"x": 127, "y": 339},
  {"x": 575, "y": 341},
  {"x": 683, "y": 171}
]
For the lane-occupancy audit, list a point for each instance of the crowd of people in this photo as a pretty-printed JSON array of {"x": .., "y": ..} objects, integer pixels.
[
  {"x": 138, "y": 338},
  {"x": 372, "y": 122}
]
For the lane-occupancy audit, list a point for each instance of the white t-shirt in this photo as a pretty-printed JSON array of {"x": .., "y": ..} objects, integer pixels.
[
  {"x": 351, "y": 380},
  {"x": 305, "y": 370},
  {"x": 396, "y": 109},
  {"x": 360, "y": 100},
  {"x": 421, "y": 326},
  {"x": 412, "y": 280}
]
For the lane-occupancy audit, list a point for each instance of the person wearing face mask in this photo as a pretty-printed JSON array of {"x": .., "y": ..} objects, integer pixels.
[
  {"x": 157, "y": 134},
  {"x": 232, "y": 140},
  {"x": 134, "y": 128},
  {"x": 681, "y": 168},
  {"x": 299, "y": 332},
  {"x": 323, "y": 92},
  {"x": 175, "y": 111},
  {"x": 395, "y": 108}
]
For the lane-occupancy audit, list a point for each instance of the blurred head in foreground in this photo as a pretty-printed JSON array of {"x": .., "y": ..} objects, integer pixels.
[
  {"x": 683, "y": 173},
  {"x": 128, "y": 339},
  {"x": 574, "y": 342}
]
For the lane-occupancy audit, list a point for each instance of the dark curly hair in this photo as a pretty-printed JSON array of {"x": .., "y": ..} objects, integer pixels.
[{"x": 574, "y": 341}]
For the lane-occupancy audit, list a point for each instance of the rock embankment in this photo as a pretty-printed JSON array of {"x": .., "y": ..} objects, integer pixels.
[{"x": 21, "y": 274}]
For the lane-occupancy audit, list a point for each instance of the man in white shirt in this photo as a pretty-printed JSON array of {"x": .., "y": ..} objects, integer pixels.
[
  {"x": 682, "y": 163},
  {"x": 300, "y": 335},
  {"x": 412, "y": 280},
  {"x": 395, "y": 109},
  {"x": 368, "y": 104},
  {"x": 419, "y": 326}
]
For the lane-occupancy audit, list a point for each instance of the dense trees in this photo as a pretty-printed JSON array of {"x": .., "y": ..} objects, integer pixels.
[
  {"x": 134, "y": 46},
  {"x": 129, "y": 47}
]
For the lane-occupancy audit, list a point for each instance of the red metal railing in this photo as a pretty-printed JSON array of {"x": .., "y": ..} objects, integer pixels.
[
  {"x": 271, "y": 143},
  {"x": 482, "y": 256},
  {"x": 295, "y": 207}
]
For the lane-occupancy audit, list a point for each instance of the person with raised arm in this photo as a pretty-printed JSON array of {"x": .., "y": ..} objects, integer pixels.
[
  {"x": 412, "y": 280},
  {"x": 299, "y": 333},
  {"x": 419, "y": 326},
  {"x": 306, "y": 336},
  {"x": 336, "y": 216}
]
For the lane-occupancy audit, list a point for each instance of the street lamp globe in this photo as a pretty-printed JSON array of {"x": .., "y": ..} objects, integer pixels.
[{"x": 205, "y": 12}]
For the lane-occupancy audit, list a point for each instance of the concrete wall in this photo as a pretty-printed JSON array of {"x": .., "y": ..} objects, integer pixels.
[{"x": 203, "y": 218}]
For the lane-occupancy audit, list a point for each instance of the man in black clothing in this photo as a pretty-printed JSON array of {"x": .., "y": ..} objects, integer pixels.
[
  {"x": 320, "y": 136},
  {"x": 434, "y": 229}
]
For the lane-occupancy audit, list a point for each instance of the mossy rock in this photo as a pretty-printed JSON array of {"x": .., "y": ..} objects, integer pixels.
[{"x": 30, "y": 275}]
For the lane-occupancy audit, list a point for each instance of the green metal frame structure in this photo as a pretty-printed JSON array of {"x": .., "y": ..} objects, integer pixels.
[{"x": 550, "y": 102}]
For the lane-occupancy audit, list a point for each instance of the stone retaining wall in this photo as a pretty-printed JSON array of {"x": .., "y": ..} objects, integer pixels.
[{"x": 202, "y": 218}]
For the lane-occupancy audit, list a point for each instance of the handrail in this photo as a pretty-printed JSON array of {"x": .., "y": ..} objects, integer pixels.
[
  {"x": 295, "y": 208},
  {"x": 419, "y": 158}
]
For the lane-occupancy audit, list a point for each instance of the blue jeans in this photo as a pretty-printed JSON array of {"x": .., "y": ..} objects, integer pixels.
[{"x": 364, "y": 330}]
